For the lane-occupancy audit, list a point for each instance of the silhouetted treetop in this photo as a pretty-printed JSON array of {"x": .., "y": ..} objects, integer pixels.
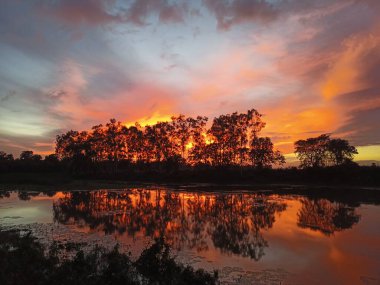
[
  {"x": 324, "y": 151},
  {"x": 231, "y": 140}
]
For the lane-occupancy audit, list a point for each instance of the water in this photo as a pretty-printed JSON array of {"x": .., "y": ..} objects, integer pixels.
[{"x": 250, "y": 237}]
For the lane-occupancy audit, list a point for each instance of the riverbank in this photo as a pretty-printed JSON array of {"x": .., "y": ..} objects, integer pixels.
[
  {"x": 355, "y": 176},
  {"x": 344, "y": 194}
]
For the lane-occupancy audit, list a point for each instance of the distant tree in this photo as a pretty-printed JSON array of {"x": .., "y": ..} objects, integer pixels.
[
  {"x": 36, "y": 157},
  {"x": 312, "y": 152},
  {"x": 26, "y": 155},
  {"x": 323, "y": 151},
  {"x": 341, "y": 151},
  {"x": 9, "y": 156},
  {"x": 52, "y": 158},
  {"x": 5, "y": 156},
  {"x": 29, "y": 155},
  {"x": 262, "y": 153}
]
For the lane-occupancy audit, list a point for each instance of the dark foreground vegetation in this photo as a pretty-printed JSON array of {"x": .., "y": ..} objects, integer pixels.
[
  {"x": 63, "y": 175},
  {"x": 23, "y": 260},
  {"x": 231, "y": 150}
]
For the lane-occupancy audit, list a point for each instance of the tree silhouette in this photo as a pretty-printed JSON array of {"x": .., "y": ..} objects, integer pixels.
[
  {"x": 29, "y": 155},
  {"x": 5, "y": 156},
  {"x": 323, "y": 151},
  {"x": 231, "y": 134},
  {"x": 341, "y": 151},
  {"x": 262, "y": 153},
  {"x": 182, "y": 141}
]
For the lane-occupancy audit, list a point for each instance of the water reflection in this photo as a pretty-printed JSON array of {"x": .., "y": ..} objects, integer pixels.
[
  {"x": 325, "y": 216},
  {"x": 305, "y": 235},
  {"x": 232, "y": 223}
]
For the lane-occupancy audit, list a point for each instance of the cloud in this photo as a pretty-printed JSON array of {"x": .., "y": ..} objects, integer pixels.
[
  {"x": 229, "y": 13},
  {"x": 103, "y": 12},
  {"x": 140, "y": 10},
  {"x": 93, "y": 12},
  {"x": 362, "y": 127},
  {"x": 41, "y": 144}
]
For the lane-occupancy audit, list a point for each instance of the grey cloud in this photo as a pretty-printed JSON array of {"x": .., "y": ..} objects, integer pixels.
[
  {"x": 15, "y": 144},
  {"x": 7, "y": 96},
  {"x": 229, "y": 13},
  {"x": 140, "y": 10},
  {"x": 364, "y": 127}
]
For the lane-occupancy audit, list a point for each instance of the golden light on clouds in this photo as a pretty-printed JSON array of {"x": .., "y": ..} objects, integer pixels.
[
  {"x": 150, "y": 120},
  {"x": 344, "y": 73}
]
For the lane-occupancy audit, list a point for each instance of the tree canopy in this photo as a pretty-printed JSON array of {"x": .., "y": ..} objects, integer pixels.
[
  {"x": 232, "y": 139},
  {"x": 324, "y": 151}
]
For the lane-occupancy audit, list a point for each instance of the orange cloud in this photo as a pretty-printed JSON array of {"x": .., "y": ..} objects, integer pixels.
[{"x": 344, "y": 75}]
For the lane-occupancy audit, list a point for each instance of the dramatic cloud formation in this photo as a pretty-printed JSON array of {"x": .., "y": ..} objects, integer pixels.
[{"x": 310, "y": 66}]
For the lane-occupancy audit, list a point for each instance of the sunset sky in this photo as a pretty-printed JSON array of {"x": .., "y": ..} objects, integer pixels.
[{"x": 310, "y": 67}]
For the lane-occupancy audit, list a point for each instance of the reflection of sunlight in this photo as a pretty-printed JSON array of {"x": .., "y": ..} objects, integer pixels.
[
  {"x": 286, "y": 226},
  {"x": 335, "y": 254},
  {"x": 44, "y": 197}
]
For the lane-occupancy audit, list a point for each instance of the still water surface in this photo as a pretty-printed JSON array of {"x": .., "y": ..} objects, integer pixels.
[{"x": 260, "y": 238}]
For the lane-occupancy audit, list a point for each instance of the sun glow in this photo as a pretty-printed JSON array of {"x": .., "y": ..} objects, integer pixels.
[
  {"x": 189, "y": 145},
  {"x": 149, "y": 120}
]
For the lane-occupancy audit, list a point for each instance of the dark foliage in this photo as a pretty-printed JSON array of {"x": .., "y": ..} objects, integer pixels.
[
  {"x": 23, "y": 261},
  {"x": 323, "y": 151}
]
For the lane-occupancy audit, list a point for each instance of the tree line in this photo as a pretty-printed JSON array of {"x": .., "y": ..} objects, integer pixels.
[{"x": 230, "y": 140}]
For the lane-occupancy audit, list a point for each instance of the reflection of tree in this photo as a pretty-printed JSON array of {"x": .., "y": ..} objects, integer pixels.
[
  {"x": 238, "y": 221},
  {"x": 325, "y": 216},
  {"x": 232, "y": 222}
]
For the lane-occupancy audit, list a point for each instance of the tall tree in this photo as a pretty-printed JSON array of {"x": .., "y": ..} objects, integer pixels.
[
  {"x": 134, "y": 136},
  {"x": 231, "y": 134},
  {"x": 115, "y": 140},
  {"x": 197, "y": 152},
  {"x": 262, "y": 153},
  {"x": 181, "y": 133}
]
